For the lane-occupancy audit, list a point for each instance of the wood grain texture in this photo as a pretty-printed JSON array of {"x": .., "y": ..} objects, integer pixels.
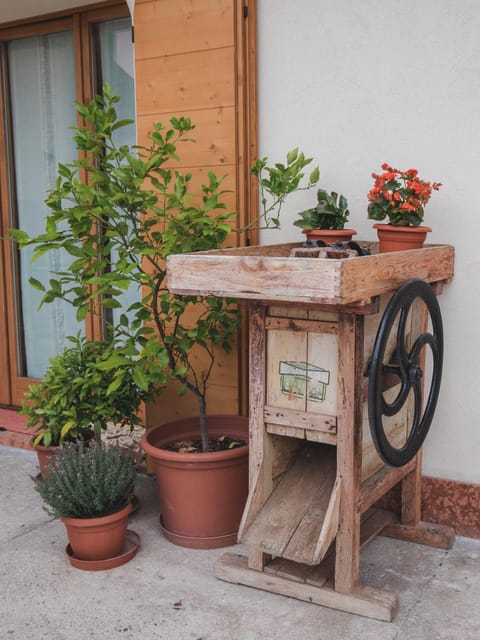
[
  {"x": 188, "y": 26},
  {"x": 187, "y": 83},
  {"x": 264, "y": 273},
  {"x": 365, "y": 601},
  {"x": 214, "y": 135},
  {"x": 427, "y": 533},
  {"x": 349, "y": 450},
  {"x": 303, "y": 419},
  {"x": 293, "y": 522}
]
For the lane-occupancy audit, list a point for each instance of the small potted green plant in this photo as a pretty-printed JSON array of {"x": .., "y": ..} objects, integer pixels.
[
  {"x": 400, "y": 197},
  {"x": 90, "y": 490},
  {"x": 78, "y": 397},
  {"x": 326, "y": 221}
]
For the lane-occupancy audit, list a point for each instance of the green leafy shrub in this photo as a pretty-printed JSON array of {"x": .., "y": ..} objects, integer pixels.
[
  {"x": 88, "y": 482},
  {"x": 79, "y": 393}
]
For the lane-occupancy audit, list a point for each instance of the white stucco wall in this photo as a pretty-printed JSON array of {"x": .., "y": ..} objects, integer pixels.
[{"x": 356, "y": 84}]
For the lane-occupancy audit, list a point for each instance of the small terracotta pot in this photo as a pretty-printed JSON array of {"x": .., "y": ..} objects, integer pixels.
[
  {"x": 330, "y": 236},
  {"x": 393, "y": 238},
  {"x": 98, "y": 538},
  {"x": 45, "y": 457},
  {"x": 202, "y": 495}
]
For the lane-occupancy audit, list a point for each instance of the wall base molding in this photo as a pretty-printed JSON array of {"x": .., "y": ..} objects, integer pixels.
[
  {"x": 449, "y": 502},
  {"x": 453, "y": 503}
]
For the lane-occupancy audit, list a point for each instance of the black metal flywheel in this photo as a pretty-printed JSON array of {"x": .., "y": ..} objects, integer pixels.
[{"x": 404, "y": 369}]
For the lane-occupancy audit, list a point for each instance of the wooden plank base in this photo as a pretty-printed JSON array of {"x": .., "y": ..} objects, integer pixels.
[
  {"x": 427, "y": 533},
  {"x": 365, "y": 601}
]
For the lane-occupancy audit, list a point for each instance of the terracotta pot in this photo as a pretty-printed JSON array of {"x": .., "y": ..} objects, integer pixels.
[
  {"x": 330, "y": 236},
  {"x": 394, "y": 238},
  {"x": 45, "y": 457},
  {"x": 98, "y": 538},
  {"x": 202, "y": 495}
]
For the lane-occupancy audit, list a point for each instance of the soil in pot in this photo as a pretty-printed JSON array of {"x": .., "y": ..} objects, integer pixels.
[{"x": 202, "y": 495}]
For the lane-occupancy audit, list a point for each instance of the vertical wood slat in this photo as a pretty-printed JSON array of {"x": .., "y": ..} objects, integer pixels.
[
  {"x": 349, "y": 450},
  {"x": 5, "y": 387},
  {"x": 411, "y": 507},
  {"x": 218, "y": 97},
  {"x": 260, "y": 457}
]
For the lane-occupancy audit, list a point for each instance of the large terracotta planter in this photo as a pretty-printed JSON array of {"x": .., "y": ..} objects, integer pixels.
[
  {"x": 98, "y": 538},
  {"x": 202, "y": 495},
  {"x": 392, "y": 238},
  {"x": 330, "y": 236}
]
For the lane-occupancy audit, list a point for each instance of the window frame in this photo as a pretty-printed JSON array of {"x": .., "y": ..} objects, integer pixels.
[{"x": 80, "y": 21}]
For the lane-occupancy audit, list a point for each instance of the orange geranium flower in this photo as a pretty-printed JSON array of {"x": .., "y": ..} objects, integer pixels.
[{"x": 399, "y": 196}]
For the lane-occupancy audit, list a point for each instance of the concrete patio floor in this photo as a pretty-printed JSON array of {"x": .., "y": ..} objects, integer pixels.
[{"x": 166, "y": 592}]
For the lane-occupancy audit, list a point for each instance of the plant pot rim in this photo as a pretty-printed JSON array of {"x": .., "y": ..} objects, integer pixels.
[
  {"x": 331, "y": 232},
  {"x": 189, "y": 428},
  {"x": 98, "y": 520},
  {"x": 406, "y": 229},
  {"x": 43, "y": 447}
]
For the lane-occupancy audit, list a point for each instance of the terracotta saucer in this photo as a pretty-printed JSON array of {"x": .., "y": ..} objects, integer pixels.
[
  {"x": 194, "y": 542},
  {"x": 132, "y": 543}
]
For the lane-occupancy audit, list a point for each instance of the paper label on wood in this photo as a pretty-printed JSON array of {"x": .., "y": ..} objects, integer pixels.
[{"x": 302, "y": 371}]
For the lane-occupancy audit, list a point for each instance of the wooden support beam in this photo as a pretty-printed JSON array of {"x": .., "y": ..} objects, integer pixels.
[
  {"x": 349, "y": 450},
  {"x": 363, "y": 601},
  {"x": 427, "y": 533}
]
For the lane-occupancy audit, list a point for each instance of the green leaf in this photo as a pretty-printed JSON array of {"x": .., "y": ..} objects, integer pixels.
[
  {"x": 314, "y": 176},
  {"x": 67, "y": 427},
  {"x": 140, "y": 379},
  {"x": 36, "y": 284}
]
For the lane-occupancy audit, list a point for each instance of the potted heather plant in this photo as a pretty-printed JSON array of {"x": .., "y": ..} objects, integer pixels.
[
  {"x": 326, "y": 221},
  {"x": 400, "y": 197},
  {"x": 90, "y": 490}
]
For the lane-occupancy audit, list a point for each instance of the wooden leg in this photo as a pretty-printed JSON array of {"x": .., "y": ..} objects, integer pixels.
[
  {"x": 412, "y": 495},
  {"x": 349, "y": 451},
  {"x": 257, "y": 559},
  {"x": 411, "y": 528}
]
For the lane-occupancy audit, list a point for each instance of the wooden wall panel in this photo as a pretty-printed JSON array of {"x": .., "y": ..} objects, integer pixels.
[
  {"x": 188, "y": 26},
  {"x": 214, "y": 136},
  {"x": 197, "y": 59},
  {"x": 186, "y": 82}
]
